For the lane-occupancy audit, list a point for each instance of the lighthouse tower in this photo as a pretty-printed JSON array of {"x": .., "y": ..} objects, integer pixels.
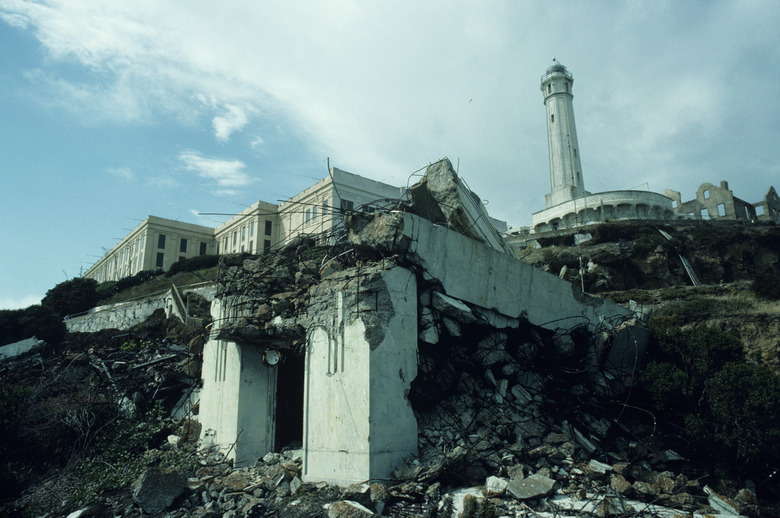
[{"x": 565, "y": 170}]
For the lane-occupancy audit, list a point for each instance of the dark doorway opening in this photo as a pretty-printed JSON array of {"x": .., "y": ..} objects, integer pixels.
[{"x": 289, "y": 402}]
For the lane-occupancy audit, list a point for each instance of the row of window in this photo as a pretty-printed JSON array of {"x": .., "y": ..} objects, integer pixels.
[{"x": 182, "y": 245}]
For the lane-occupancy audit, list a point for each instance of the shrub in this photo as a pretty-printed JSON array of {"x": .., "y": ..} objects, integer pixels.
[
  {"x": 193, "y": 264},
  {"x": 134, "y": 280},
  {"x": 698, "y": 380},
  {"x": 39, "y": 321},
  {"x": 744, "y": 400},
  {"x": 767, "y": 285},
  {"x": 73, "y": 296}
]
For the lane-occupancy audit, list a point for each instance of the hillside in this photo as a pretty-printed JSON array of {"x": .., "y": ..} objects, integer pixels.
[{"x": 88, "y": 419}]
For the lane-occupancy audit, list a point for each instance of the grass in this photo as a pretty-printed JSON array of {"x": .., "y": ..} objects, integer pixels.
[{"x": 162, "y": 283}]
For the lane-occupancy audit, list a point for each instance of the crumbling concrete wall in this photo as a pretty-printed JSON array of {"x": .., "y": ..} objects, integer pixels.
[
  {"x": 124, "y": 315},
  {"x": 713, "y": 202},
  {"x": 359, "y": 340},
  {"x": 478, "y": 275}
]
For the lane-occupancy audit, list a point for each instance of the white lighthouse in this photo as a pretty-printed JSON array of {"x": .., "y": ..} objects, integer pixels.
[
  {"x": 565, "y": 169},
  {"x": 569, "y": 205}
]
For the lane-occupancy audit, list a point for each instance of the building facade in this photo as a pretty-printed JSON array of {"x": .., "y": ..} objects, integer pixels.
[{"x": 157, "y": 243}]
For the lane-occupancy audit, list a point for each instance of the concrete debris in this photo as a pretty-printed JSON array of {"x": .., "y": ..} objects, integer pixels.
[
  {"x": 19, "y": 348},
  {"x": 531, "y": 487},
  {"x": 155, "y": 490},
  {"x": 443, "y": 198}
]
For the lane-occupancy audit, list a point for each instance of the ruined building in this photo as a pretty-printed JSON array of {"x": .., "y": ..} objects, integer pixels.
[
  {"x": 719, "y": 202},
  {"x": 339, "y": 350}
]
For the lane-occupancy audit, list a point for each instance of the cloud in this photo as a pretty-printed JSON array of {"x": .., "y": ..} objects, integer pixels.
[
  {"x": 228, "y": 175},
  {"x": 125, "y": 173},
  {"x": 256, "y": 142},
  {"x": 234, "y": 119},
  {"x": 653, "y": 81}
]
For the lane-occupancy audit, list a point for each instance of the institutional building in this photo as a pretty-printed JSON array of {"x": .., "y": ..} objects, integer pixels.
[
  {"x": 568, "y": 204},
  {"x": 157, "y": 243}
]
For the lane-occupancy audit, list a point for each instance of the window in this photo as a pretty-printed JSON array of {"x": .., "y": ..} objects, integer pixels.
[
  {"x": 217, "y": 247},
  {"x": 203, "y": 249},
  {"x": 325, "y": 208},
  {"x": 267, "y": 228},
  {"x": 243, "y": 233},
  {"x": 567, "y": 87},
  {"x": 251, "y": 246},
  {"x": 552, "y": 117},
  {"x": 308, "y": 215},
  {"x": 314, "y": 213},
  {"x": 721, "y": 210},
  {"x": 242, "y": 249},
  {"x": 251, "y": 228},
  {"x": 549, "y": 88},
  {"x": 706, "y": 194},
  {"x": 575, "y": 153},
  {"x": 225, "y": 247},
  {"x": 183, "y": 246},
  {"x": 235, "y": 237},
  {"x": 161, "y": 241},
  {"x": 160, "y": 258},
  {"x": 266, "y": 245},
  {"x": 347, "y": 206},
  {"x": 759, "y": 210}
]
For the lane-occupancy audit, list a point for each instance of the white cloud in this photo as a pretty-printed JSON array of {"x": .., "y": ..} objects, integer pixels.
[
  {"x": 227, "y": 174},
  {"x": 256, "y": 142},
  {"x": 385, "y": 87},
  {"x": 234, "y": 119}
]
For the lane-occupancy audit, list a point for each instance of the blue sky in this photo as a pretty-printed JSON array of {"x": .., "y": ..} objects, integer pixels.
[{"x": 112, "y": 111}]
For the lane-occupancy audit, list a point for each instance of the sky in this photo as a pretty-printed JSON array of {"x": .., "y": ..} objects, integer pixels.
[{"x": 113, "y": 111}]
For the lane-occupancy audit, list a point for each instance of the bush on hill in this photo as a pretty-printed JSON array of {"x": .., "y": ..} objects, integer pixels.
[
  {"x": 698, "y": 379},
  {"x": 71, "y": 297},
  {"x": 39, "y": 321},
  {"x": 193, "y": 264}
]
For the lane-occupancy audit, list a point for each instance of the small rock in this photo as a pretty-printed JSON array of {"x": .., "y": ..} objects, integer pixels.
[
  {"x": 348, "y": 509},
  {"x": 494, "y": 486},
  {"x": 530, "y": 487}
]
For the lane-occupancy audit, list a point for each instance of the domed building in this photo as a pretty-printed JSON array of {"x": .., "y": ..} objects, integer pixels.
[{"x": 568, "y": 204}]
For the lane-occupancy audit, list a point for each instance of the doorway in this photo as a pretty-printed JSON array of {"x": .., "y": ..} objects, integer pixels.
[{"x": 289, "y": 401}]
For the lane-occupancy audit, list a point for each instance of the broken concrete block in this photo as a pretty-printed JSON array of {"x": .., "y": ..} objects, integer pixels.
[
  {"x": 720, "y": 503},
  {"x": 348, "y": 509},
  {"x": 451, "y": 326},
  {"x": 494, "y": 486},
  {"x": 441, "y": 197},
  {"x": 492, "y": 350},
  {"x": 155, "y": 490},
  {"x": 453, "y": 308},
  {"x": 530, "y": 487}
]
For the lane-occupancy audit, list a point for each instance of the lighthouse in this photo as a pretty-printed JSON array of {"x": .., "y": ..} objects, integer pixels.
[{"x": 566, "y": 182}]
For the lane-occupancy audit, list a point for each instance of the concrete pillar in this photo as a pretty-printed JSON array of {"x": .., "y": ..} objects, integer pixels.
[{"x": 358, "y": 424}]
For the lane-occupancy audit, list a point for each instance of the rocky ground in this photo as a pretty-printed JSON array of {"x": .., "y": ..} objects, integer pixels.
[{"x": 497, "y": 438}]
